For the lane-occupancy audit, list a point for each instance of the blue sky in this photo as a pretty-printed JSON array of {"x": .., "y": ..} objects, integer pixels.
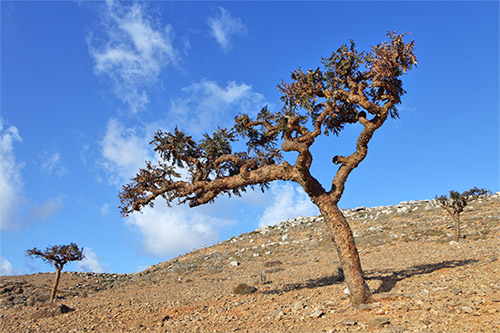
[{"x": 84, "y": 85}]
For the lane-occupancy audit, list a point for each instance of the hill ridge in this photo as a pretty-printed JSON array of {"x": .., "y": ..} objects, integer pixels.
[{"x": 423, "y": 280}]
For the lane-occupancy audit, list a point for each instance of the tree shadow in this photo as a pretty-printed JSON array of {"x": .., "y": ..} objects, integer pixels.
[
  {"x": 310, "y": 284},
  {"x": 388, "y": 277}
]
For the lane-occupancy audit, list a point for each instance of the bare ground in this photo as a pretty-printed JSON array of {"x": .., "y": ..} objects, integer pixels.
[{"x": 422, "y": 281}]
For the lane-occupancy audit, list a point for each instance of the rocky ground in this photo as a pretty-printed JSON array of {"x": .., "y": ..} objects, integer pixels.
[{"x": 422, "y": 281}]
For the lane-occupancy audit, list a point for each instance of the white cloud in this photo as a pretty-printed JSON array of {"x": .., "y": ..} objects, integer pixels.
[
  {"x": 91, "y": 262},
  {"x": 170, "y": 230},
  {"x": 205, "y": 105},
  {"x": 164, "y": 230},
  {"x": 6, "y": 267},
  {"x": 224, "y": 26},
  {"x": 288, "y": 201},
  {"x": 134, "y": 52},
  {"x": 124, "y": 151},
  {"x": 10, "y": 178},
  {"x": 46, "y": 210},
  {"x": 52, "y": 164}
]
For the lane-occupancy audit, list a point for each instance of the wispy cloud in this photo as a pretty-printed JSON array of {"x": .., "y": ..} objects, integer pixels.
[
  {"x": 46, "y": 210},
  {"x": 288, "y": 201},
  {"x": 11, "y": 184},
  {"x": 205, "y": 104},
  {"x": 91, "y": 262},
  {"x": 133, "y": 51},
  {"x": 125, "y": 151},
  {"x": 224, "y": 26},
  {"x": 53, "y": 164}
]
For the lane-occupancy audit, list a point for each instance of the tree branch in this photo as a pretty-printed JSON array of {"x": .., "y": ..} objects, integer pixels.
[
  {"x": 349, "y": 163},
  {"x": 205, "y": 190}
]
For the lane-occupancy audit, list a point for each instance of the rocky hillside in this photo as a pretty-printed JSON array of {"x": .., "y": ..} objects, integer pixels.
[{"x": 286, "y": 278}]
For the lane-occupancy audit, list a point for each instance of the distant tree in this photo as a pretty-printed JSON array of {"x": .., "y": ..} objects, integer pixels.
[
  {"x": 353, "y": 87},
  {"x": 456, "y": 202},
  {"x": 59, "y": 255}
]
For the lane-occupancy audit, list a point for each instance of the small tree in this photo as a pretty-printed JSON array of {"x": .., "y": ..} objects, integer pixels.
[
  {"x": 353, "y": 87},
  {"x": 59, "y": 255},
  {"x": 456, "y": 202}
]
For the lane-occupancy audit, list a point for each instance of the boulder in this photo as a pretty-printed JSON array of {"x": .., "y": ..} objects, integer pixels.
[{"x": 51, "y": 310}]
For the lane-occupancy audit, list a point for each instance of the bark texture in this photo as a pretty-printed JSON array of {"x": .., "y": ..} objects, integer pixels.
[{"x": 348, "y": 255}]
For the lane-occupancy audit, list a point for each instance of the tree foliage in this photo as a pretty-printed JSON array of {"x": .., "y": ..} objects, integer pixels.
[
  {"x": 352, "y": 87},
  {"x": 58, "y": 255}
]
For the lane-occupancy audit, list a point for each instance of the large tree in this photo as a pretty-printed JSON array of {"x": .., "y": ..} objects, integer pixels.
[{"x": 352, "y": 87}]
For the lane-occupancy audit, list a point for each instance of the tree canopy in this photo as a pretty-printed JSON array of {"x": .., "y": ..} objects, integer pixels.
[
  {"x": 350, "y": 87},
  {"x": 58, "y": 255},
  {"x": 456, "y": 202}
]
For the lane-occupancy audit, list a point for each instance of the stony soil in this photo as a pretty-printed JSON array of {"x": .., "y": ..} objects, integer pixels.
[{"x": 421, "y": 279}]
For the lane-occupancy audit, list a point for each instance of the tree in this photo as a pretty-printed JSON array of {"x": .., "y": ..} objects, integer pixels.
[
  {"x": 456, "y": 202},
  {"x": 59, "y": 255},
  {"x": 353, "y": 87}
]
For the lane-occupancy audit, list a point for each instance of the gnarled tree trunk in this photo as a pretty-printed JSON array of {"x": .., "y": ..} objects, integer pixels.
[{"x": 348, "y": 254}]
